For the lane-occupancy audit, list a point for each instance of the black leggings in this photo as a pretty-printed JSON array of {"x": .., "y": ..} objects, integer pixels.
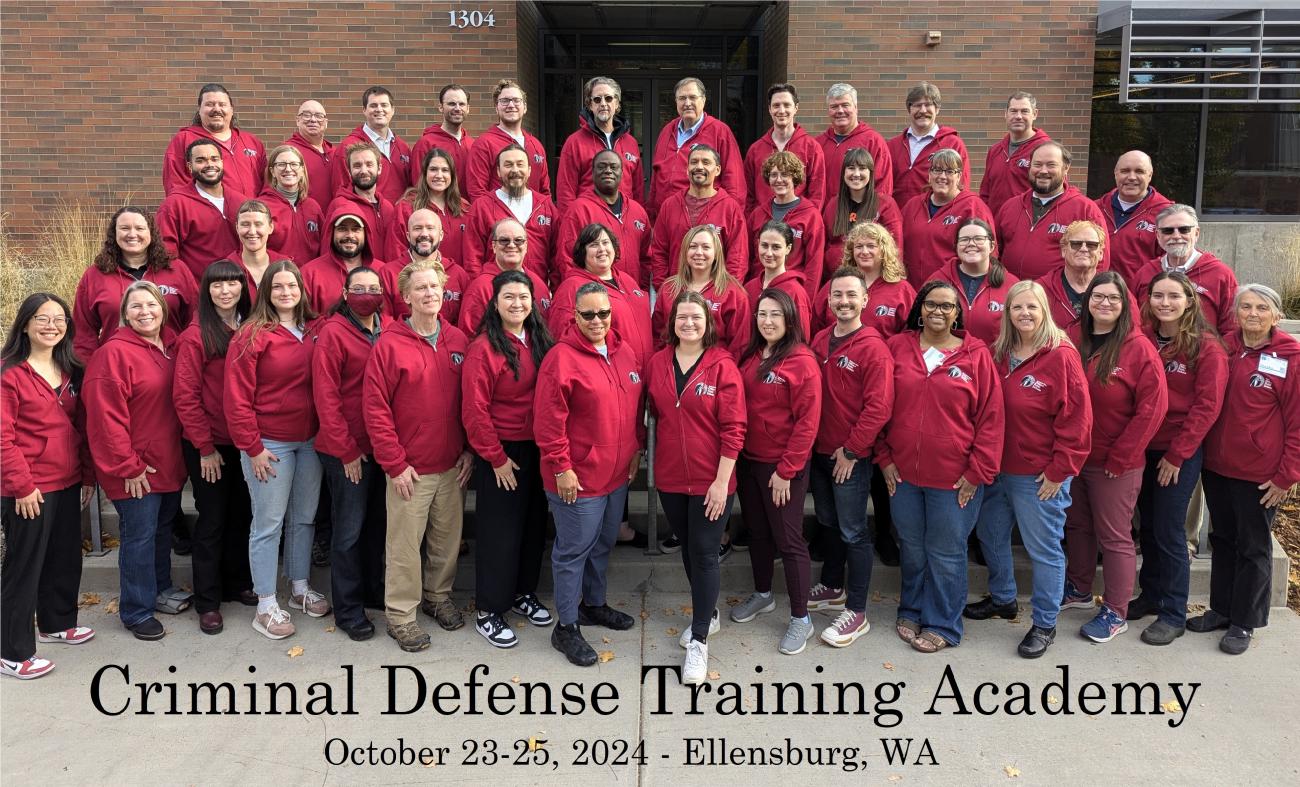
[
  {"x": 42, "y": 571},
  {"x": 700, "y": 540}
]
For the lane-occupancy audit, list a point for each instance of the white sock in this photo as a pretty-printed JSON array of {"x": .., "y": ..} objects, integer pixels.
[
  {"x": 768, "y": 594},
  {"x": 299, "y": 587},
  {"x": 265, "y": 604}
]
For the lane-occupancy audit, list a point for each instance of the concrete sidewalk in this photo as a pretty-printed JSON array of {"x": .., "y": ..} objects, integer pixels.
[{"x": 1238, "y": 726}]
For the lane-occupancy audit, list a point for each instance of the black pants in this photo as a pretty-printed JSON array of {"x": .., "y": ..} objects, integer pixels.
[
  {"x": 510, "y": 529},
  {"x": 360, "y": 525},
  {"x": 41, "y": 573},
  {"x": 700, "y": 540},
  {"x": 220, "y": 537},
  {"x": 1241, "y": 561}
]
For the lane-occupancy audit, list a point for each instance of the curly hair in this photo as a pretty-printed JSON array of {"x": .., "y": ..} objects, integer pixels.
[{"x": 157, "y": 258}]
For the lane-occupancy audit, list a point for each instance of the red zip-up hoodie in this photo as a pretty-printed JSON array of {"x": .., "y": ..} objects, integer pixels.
[
  {"x": 784, "y": 408},
  {"x": 1006, "y": 176},
  {"x": 378, "y": 217},
  {"x": 1195, "y": 398},
  {"x": 130, "y": 420},
  {"x": 857, "y": 391},
  {"x": 268, "y": 387},
  {"x": 194, "y": 230},
  {"x": 96, "y": 309},
  {"x": 1257, "y": 436},
  {"x": 1127, "y": 412},
  {"x": 320, "y": 175},
  {"x": 888, "y": 304},
  {"x": 495, "y": 406},
  {"x": 887, "y": 215},
  {"x": 913, "y": 177},
  {"x": 731, "y": 315},
  {"x": 1216, "y": 288},
  {"x": 453, "y": 292},
  {"x": 695, "y": 429},
  {"x": 1133, "y": 243},
  {"x": 809, "y": 249},
  {"x": 323, "y": 277},
  {"x": 632, "y": 230},
  {"x": 42, "y": 434},
  {"x": 870, "y": 140},
  {"x": 435, "y": 137},
  {"x": 394, "y": 169},
  {"x": 1032, "y": 250},
  {"x": 243, "y": 159},
  {"x": 983, "y": 315},
  {"x": 454, "y": 229},
  {"x": 479, "y": 293},
  {"x": 540, "y": 230},
  {"x": 806, "y": 149},
  {"x": 669, "y": 178},
  {"x": 199, "y": 393},
  {"x": 299, "y": 229},
  {"x": 932, "y": 240},
  {"x": 481, "y": 176},
  {"x": 589, "y": 413},
  {"x": 338, "y": 369},
  {"x": 573, "y": 180},
  {"x": 721, "y": 212},
  {"x": 1063, "y": 311},
  {"x": 630, "y": 305},
  {"x": 411, "y": 399},
  {"x": 1049, "y": 414},
  {"x": 948, "y": 424},
  {"x": 792, "y": 283}
]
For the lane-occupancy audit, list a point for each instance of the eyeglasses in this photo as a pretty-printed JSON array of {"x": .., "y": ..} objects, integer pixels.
[
  {"x": 286, "y": 165},
  {"x": 942, "y": 308},
  {"x": 1184, "y": 230},
  {"x": 1109, "y": 300},
  {"x": 691, "y": 98},
  {"x": 973, "y": 240},
  {"x": 373, "y": 290},
  {"x": 511, "y": 241},
  {"x": 604, "y": 99},
  {"x": 1079, "y": 245},
  {"x": 601, "y": 315},
  {"x": 311, "y": 115},
  {"x": 949, "y": 172},
  {"x": 45, "y": 321},
  {"x": 922, "y": 105},
  {"x": 510, "y": 102}
]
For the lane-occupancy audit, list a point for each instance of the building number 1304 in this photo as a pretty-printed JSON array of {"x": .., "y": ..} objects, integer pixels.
[{"x": 461, "y": 19}]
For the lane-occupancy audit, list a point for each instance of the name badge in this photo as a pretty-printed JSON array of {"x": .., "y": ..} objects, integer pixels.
[{"x": 1272, "y": 364}]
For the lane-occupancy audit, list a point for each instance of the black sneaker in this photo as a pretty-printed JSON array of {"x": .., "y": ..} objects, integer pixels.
[
  {"x": 1236, "y": 641},
  {"x": 1142, "y": 606},
  {"x": 724, "y": 551},
  {"x": 494, "y": 629},
  {"x": 148, "y": 630},
  {"x": 740, "y": 543},
  {"x": 670, "y": 545},
  {"x": 569, "y": 641},
  {"x": 360, "y": 632},
  {"x": 531, "y": 608},
  {"x": 987, "y": 608},
  {"x": 1208, "y": 621},
  {"x": 1036, "y": 641},
  {"x": 182, "y": 545},
  {"x": 1161, "y": 633},
  {"x": 605, "y": 616}
]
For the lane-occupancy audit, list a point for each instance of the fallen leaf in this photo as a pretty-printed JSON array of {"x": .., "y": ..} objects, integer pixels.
[
  {"x": 1171, "y": 706},
  {"x": 875, "y": 596},
  {"x": 111, "y": 607},
  {"x": 672, "y": 632},
  {"x": 894, "y": 777},
  {"x": 670, "y": 612},
  {"x": 294, "y": 652},
  {"x": 604, "y": 656},
  {"x": 604, "y": 640},
  {"x": 1052, "y": 699},
  {"x": 110, "y": 543},
  {"x": 329, "y": 629},
  {"x": 888, "y": 666},
  {"x": 88, "y": 600},
  {"x": 86, "y": 546},
  {"x": 733, "y": 600},
  {"x": 645, "y": 614},
  {"x": 715, "y": 675},
  {"x": 688, "y": 610},
  {"x": 535, "y": 743},
  {"x": 514, "y": 679},
  {"x": 1011, "y": 771}
]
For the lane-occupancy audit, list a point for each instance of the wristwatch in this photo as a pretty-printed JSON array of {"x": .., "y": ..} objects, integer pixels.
[{"x": 850, "y": 455}]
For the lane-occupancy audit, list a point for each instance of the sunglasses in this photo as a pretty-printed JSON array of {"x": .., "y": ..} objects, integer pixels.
[
  {"x": 511, "y": 241},
  {"x": 1185, "y": 230},
  {"x": 601, "y": 315},
  {"x": 603, "y": 99},
  {"x": 1090, "y": 245}
]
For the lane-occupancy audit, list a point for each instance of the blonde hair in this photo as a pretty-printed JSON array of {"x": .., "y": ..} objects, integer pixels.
[
  {"x": 1047, "y": 334},
  {"x": 680, "y": 282},
  {"x": 891, "y": 264},
  {"x": 419, "y": 266},
  {"x": 302, "y": 168},
  {"x": 1083, "y": 224}
]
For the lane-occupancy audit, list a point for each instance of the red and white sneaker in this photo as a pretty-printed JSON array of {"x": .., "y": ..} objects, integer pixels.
[
  {"x": 73, "y": 636},
  {"x": 26, "y": 670},
  {"x": 821, "y": 597}
]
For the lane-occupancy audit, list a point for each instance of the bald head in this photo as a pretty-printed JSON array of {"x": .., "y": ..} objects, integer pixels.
[
  {"x": 311, "y": 121},
  {"x": 1133, "y": 173},
  {"x": 423, "y": 233}
]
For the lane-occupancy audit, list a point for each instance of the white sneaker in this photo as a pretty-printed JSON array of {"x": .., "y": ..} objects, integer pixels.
[
  {"x": 695, "y": 667},
  {"x": 714, "y": 625},
  {"x": 274, "y": 624}
]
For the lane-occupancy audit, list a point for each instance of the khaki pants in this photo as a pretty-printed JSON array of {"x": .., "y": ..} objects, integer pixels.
[{"x": 432, "y": 517}]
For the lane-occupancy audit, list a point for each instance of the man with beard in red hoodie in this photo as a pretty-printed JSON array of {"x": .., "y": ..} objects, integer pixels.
[
  {"x": 215, "y": 121},
  {"x": 309, "y": 138},
  {"x": 377, "y": 104},
  {"x": 1006, "y": 170},
  {"x": 700, "y": 203},
  {"x": 514, "y": 199},
  {"x": 600, "y": 127},
  {"x": 449, "y": 135},
  {"x": 847, "y": 132},
  {"x": 424, "y": 236},
  {"x": 323, "y": 278},
  {"x": 481, "y": 171},
  {"x": 681, "y": 136},
  {"x": 364, "y": 171},
  {"x": 197, "y": 219},
  {"x": 911, "y": 150},
  {"x": 607, "y": 204}
]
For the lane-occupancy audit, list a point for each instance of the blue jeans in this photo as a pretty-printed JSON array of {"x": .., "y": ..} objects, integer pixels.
[
  {"x": 144, "y": 559},
  {"x": 843, "y": 507},
  {"x": 932, "y": 533},
  {"x": 1162, "y": 510},
  {"x": 286, "y": 502},
  {"x": 1013, "y": 499},
  {"x": 359, "y": 520},
  {"x": 585, "y": 531}
]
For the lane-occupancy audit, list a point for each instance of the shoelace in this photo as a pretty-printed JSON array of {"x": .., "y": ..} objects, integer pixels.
[
  {"x": 494, "y": 624},
  {"x": 695, "y": 653},
  {"x": 842, "y": 622},
  {"x": 278, "y": 615}
]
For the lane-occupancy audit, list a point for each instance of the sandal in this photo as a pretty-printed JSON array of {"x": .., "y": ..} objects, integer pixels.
[
  {"x": 907, "y": 629},
  {"x": 929, "y": 642},
  {"x": 173, "y": 601}
]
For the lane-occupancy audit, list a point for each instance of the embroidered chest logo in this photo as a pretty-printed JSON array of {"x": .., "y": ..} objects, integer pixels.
[
  {"x": 886, "y": 311},
  {"x": 313, "y": 226},
  {"x": 451, "y": 295},
  {"x": 948, "y": 221},
  {"x": 634, "y": 377},
  {"x": 457, "y": 358},
  {"x": 1022, "y": 163},
  {"x": 1056, "y": 228},
  {"x": 637, "y": 294},
  {"x": 704, "y": 389},
  {"x": 546, "y": 303},
  {"x": 250, "y": 152},
  {"x": 1145, "y": 226},
  {"x": 773, "y": 378},
  {"x": 1030, "y": 381},
  {"x": 994, "y": 306},
  {"x": 1258, "y": 380},
  {"x": 846, "y": 363},
  {"x": 957, "y": 374},
  {"x": 630, "y": 157},
  {"x": 406, "y": 158},
  {"x": 797, "y": 233},
  {"x": 639, "y": 225},
  {"x": 544, "y": 221},
  {"x": 538, "y": 158},
  {"x": 167, "y": 289},
  {"x": 1200, "y": 290},
  {"x": 1174, "y": 367}
]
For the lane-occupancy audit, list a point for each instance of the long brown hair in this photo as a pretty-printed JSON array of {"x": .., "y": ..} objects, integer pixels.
[
  {"x": 421, "y": 196},
  {"x": 1192, "y": 326},
  {"x": 1107, "y": 350},
  {"x": 847, "y": 213},
  {"x": 681, "y": 281},
  {"x": 157, "y": 258},
  {"x": 786, "y": 344},
  {"x": 263, "y": 316}
]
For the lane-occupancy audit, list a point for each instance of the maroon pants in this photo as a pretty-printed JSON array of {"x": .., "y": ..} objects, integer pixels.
[
  {"x": 1101, "y": 517},
  {"x": 775, "y": 530}
]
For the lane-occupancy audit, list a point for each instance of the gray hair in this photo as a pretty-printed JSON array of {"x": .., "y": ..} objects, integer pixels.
[
  {"x": 606, "y": 81},
  {"x": 842, "y": 89},
  {"x": 590, "y": 288},
  {"x": 1268, "y": 294},
  {"x": 691, "y": 81},
  {"x": 1023, "y": 94},
  {"x": 1177, "y": 208}
]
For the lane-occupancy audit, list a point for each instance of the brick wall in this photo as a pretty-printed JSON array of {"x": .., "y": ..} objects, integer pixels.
[
  {"x": 988, "y": 52},
  {"x": 776, "y": 30},
  {"x": 94, "y": 91},
  {"x": 528, "y": 68}
]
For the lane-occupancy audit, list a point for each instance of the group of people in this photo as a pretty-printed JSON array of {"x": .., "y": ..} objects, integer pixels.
[{"x": 866, "y": 328}]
